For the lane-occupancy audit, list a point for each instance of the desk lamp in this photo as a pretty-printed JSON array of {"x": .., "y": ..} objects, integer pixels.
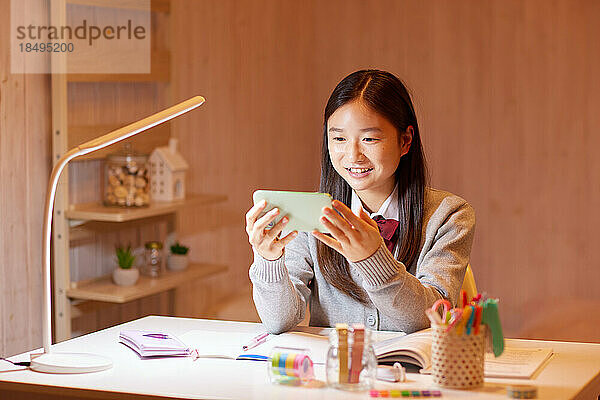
[{"x": 56, "y": 362}]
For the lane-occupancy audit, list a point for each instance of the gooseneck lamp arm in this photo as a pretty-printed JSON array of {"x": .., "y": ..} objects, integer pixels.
[{"x": 86, "y": 148}]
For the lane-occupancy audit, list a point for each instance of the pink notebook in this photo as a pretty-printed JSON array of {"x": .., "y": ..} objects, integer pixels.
[{"x": 154, "y": 344}]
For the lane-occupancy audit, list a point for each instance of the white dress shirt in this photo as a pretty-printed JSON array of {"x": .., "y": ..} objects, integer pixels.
[{"x": 388, "y": 210}]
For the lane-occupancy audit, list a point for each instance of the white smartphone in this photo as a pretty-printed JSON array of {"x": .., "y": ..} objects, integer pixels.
[{"x": 303, "y": 209}]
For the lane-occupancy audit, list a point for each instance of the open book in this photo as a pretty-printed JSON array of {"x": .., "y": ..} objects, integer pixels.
[
  {"x": 213, "y": 344},
  {"x": 219, "y": 344},
  {"x": 411, "y": 349},
  {"x": 415, "y": 349}
]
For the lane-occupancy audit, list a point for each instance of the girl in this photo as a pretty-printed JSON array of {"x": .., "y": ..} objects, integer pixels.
[{"x": 395, "y": 245}]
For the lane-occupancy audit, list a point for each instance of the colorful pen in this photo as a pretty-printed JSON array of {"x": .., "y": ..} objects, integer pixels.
[
  {"x": 471, "y": 320},
  {"x": 456, "y": 315},
  {"x": 477, "y": 322},
  {"x": 466, "y": 313},
  {"x": 157, "y": 335},
  {"x": 256, "y": 341},
  {"x": 463, "y": 299}
]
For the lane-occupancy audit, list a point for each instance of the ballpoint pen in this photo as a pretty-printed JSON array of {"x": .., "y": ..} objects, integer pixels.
[
  {"x": 256, "y": 341},
  {"x": 157, "y": 335}
]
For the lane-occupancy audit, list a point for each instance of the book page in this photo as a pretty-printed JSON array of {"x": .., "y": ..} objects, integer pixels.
[
  {"x": 515, "y": 362},
  {"x": 219, "y": 344},
  {"x": 317, "y": 345},
  {"x": 216, "y": 344},
  {"x": 414, "y": 348}
]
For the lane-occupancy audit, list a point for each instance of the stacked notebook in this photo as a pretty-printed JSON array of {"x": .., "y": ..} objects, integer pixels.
[{"x": 154, "y": 344}]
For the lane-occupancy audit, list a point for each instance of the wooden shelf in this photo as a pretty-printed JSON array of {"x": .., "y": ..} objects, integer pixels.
[
  {"x": 98, "y": 212},
  {"x": 103, "y": 289}
]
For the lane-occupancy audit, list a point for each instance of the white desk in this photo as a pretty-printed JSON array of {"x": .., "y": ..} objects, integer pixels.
[{"x": 573, "y": 372}]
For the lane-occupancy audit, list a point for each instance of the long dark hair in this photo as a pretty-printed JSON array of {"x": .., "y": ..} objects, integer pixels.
[{"x": 385, "y": 94}]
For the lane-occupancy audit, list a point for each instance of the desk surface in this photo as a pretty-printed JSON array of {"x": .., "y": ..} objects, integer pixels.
[{"x": 572, "y": 372}]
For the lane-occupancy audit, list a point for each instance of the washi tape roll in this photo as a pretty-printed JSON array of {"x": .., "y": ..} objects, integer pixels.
[
  {"x": 305, "y": 369},
  {"x": 282, "y": 359},
  {"x": 289, "y": 364},
  {"x": 275, "y": 363},
  {"x": 521, "y": 391},
  {"x": 292, "y": 365}
]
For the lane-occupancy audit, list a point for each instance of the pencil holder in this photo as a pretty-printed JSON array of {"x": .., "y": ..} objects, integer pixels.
[
  {"x": 457, "y": 359},
  {"x": 290, "y": 366},
  {"x": 351, "y": 363}
]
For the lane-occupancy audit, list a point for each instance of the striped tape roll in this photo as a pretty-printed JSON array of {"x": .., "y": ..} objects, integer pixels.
[
  {"x": 292, "y": 365},
  {"x": 521, "y": 391}
]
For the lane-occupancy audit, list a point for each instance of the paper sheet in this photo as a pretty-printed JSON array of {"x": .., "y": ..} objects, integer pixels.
[
  {"x": 516, "y": 362},
  {"x": 215, "y": 344}
]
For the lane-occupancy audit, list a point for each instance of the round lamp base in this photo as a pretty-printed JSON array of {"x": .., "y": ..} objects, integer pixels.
[{"x": 70, "y": 363}]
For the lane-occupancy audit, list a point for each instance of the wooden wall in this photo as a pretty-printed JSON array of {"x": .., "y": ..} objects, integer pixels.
[
  {"x": 24, "y": 170},
  {"x": 507, "y": 93}
]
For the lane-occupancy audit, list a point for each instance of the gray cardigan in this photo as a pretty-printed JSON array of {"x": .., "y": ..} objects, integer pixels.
[{"x": 398, "y": 296}]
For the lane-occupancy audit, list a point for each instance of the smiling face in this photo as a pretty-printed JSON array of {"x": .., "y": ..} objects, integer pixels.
[{"x": 365, "y": 149}]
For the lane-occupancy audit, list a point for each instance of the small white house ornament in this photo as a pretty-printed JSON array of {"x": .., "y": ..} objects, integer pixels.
[{"x": 167, "y": 173}]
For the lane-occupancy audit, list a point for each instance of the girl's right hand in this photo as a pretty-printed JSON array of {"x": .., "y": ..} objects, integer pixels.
[{"x": 266, "y": 241}]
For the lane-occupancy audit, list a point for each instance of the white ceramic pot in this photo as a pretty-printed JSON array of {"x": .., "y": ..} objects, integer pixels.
[
  {"x": 177, "y": 262},
  {"x": 125, "y": 277}
]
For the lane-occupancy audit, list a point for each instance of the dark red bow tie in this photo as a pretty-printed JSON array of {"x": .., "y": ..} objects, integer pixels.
[{"x": 388, "y": 228}]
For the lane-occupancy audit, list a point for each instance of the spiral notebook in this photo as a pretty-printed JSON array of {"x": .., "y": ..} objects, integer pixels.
[{"x": 154, "y": 344}]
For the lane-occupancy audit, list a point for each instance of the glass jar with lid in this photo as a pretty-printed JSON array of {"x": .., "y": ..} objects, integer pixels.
[
  {"x": 351, "y": 363},
  {"x": 126, "y": 179},
  {"x": 153, "y": 256}
]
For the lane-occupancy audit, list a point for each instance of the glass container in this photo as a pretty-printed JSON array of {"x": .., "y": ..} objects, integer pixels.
[
  {"x": 126, "y": 179},
  {"x": 153, "y": 256},
  {"x": 290, "y": 366},
  {"x": 351, "y": 363}
]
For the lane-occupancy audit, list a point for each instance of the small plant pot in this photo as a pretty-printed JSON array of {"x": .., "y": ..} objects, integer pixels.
[
  {"x": 177, "y": 262},
  {"x": 125, "y": 277}
]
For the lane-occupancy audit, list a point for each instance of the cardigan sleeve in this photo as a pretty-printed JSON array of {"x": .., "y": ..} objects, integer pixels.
[
  {"x": 440, "y": 269},
  {"x": 281, "y": 287}
]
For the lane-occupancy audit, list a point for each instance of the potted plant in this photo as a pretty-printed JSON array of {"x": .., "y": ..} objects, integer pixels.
[
  {"x": 125, "y": 274},
  {"x": 178, "y": 259}
]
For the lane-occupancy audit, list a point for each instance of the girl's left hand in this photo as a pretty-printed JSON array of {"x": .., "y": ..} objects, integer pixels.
[{"x": 356, "y": 237}]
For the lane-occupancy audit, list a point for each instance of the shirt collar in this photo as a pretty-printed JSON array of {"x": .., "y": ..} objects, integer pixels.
[{"x": 388, "y": 210}]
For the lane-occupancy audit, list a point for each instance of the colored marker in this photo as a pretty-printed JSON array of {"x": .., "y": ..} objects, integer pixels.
[
  {"x": 342, "y": 332},
  {"x": 463, "y": 299},
  {"x": 477, "y": 323},
  {"x": 463, "y": 320},
  {"x": 471, "y": 319},
  {"x": 358, "y": 344}
]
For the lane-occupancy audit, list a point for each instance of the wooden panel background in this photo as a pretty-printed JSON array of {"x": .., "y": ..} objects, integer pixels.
[
  {"x": 24, "y": 170},
  {"x": 507, "y": 93}
]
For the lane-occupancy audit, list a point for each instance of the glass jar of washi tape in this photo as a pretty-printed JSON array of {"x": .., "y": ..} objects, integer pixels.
[
  {"x": 290, "y": 366},
  {"x": 351, "y": 363},
  {"x": 457, "y": 359},
  {"x": 126, "y": 179}
]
